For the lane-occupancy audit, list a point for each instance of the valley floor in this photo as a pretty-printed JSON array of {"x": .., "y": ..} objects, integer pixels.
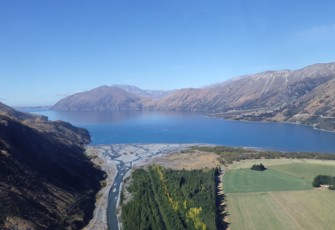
[
  {"x": 122, "y": 157},
  {"x": 280, "y": 198}
]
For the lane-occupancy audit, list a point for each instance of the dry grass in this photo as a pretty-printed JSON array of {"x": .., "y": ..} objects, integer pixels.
[
  {"x": 272, "y": 162},
  {"x": 312, "y": 209},
  {"x": 189, "y": 160}
]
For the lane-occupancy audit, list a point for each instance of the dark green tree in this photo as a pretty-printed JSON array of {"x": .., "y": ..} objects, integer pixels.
[
  {"x": 259, "y": 167},
  {"x": 321, "y": 179}
]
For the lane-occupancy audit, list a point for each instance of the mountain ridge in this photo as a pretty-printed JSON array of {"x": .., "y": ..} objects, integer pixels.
[{"x": 267, "y": 96}]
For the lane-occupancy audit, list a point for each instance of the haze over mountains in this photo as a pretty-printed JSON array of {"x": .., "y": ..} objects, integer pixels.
[
  {"x": 303, "y": 96},
  {"x": 46, "y": 180}
]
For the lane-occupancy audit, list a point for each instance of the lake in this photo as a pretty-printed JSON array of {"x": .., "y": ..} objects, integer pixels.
[{"x": 121, "y": 127}]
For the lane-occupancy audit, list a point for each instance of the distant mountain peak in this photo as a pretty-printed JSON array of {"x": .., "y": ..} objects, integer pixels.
[{"x": 155, "y": 94}]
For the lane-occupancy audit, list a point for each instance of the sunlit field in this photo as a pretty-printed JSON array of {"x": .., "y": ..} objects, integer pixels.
[{"x": 281, "y": 197}]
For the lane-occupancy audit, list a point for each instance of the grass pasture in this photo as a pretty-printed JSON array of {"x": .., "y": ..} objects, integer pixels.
[
  {"x": 305, "y": 171},
  {"x": 280, "y": 197},
  {"x": 246, "y": 180}
]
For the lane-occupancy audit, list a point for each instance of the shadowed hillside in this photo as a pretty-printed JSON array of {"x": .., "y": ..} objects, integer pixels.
[{"x": 46, "y": 180}]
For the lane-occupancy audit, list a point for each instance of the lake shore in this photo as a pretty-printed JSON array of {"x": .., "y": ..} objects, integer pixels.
[{"x": 178, "y": 127}]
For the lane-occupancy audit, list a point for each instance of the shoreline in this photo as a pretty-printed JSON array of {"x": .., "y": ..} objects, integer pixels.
[{"x": 274, "y": 122}]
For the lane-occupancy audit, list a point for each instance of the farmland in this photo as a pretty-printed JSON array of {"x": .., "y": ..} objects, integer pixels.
[{"x": 281, "y": 197}]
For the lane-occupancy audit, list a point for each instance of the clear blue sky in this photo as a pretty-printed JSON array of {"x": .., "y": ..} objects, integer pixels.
[{"x": 53, "y": 48}]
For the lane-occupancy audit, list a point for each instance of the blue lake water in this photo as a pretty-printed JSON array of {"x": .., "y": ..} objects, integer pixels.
[{"x": 171, "y": 127}]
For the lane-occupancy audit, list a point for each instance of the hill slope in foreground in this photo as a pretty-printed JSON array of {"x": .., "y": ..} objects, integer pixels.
[
  {"x": 280, "y": 197},
  {"x": 302, "y": 96},
  {"x": 46, "y": 180}
]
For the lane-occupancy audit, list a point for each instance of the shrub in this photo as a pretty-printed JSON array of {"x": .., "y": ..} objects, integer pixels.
[
  {"x": 321, "y": 179},
  {"x": 324, "y": 180},
  {"x": 259, "y": 167}
]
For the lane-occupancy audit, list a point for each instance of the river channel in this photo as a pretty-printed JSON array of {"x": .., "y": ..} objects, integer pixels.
[{"x": 125, "y": 157}]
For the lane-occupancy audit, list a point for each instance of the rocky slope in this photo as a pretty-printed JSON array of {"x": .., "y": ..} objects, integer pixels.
[
  {"x": 258, "y": 91},
  {"x": 46, "y": 180},
  {"x": 303, "y": 96}
]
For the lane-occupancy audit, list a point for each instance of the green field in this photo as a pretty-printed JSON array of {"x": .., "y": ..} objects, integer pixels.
[
  {"x": 246, "y": 180},
  {"x": 281, "y": 197},
  {"x": 305, "y": 172}
]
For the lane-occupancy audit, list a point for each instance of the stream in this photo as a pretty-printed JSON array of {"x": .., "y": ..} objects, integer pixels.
[{"x": 125, "y": 157}]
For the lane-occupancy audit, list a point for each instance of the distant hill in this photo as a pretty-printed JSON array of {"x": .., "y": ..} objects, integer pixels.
[
  {"x": 101, "y": 98},
  {"x": 303, "y": 96},
  {"x": 116, "y": 97},
  {"x": 46, "y": 180}
]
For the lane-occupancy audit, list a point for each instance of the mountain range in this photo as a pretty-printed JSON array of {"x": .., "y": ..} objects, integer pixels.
[
  {"x": 47, "y": 182},
  {"x": 300, "y": 96}
]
